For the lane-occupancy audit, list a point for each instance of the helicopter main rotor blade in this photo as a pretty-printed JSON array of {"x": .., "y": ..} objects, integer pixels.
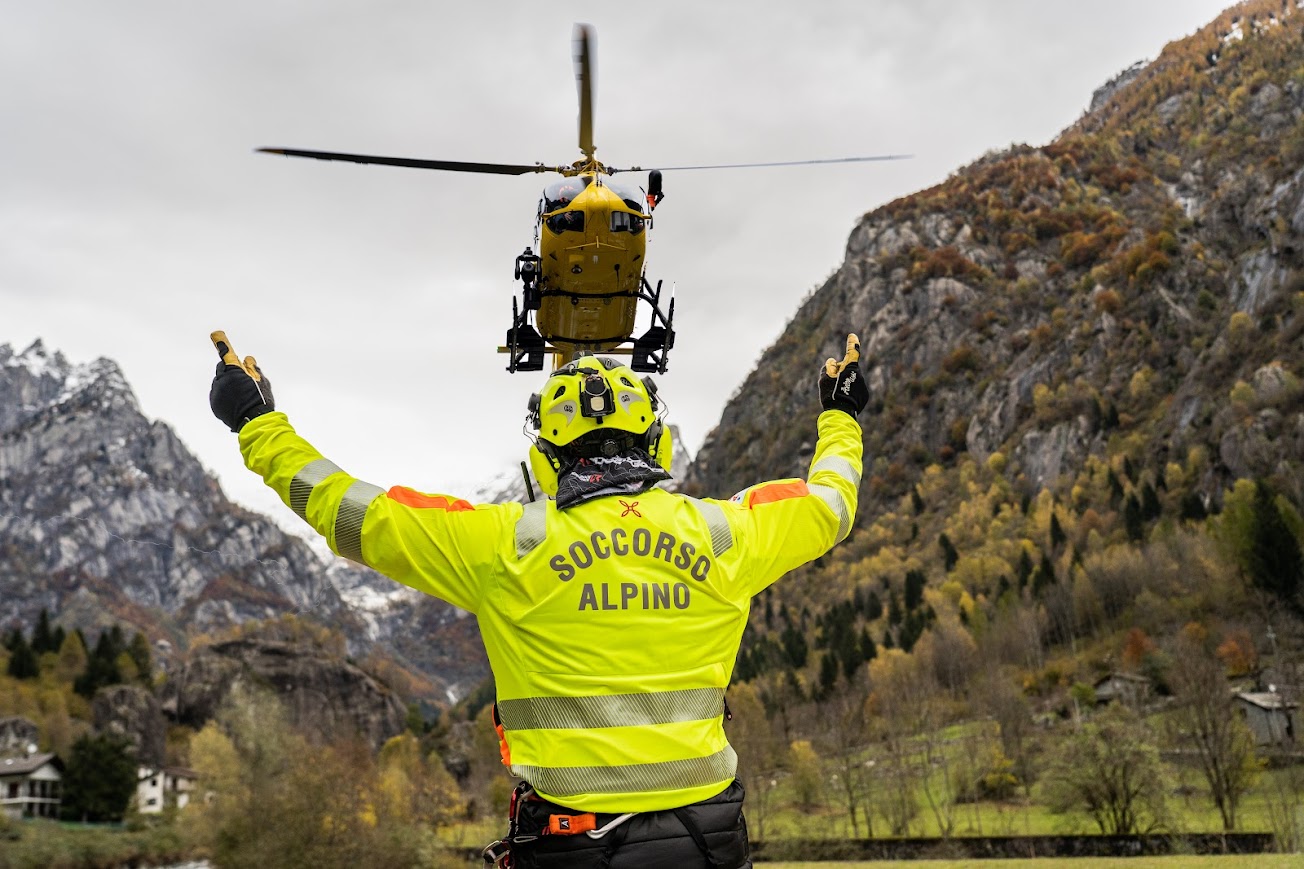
[
  {"x": 583, "y": 43},
  {"x": 760, "y": 165},
  {"x": 446, "y": 165}
]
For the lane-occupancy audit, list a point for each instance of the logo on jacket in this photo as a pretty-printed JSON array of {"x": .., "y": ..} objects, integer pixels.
[{"x": 629, "y": 508}]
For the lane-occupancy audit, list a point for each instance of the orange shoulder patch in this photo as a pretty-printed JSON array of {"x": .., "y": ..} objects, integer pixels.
[
  {"x": 777, "y": 492},
  {"x": 412, "y": 498}
]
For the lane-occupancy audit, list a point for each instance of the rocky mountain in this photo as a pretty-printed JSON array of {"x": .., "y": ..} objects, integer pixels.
[
  {"x": 1076, "y": 352},
  {"x": 105, "y": 517},
  {"x": 1099, "y": 336},
  {"x": 1118, "y": 282},
  {"x": 323, "y": 696}
]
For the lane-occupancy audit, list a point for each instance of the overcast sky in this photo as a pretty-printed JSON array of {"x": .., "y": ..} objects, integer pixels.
[{"x": 135, "y": 217}]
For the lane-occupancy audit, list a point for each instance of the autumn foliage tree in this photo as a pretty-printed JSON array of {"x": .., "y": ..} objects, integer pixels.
[
  {"x": 1207, "y": 722},
  {"x": 1110, "y": 768}
]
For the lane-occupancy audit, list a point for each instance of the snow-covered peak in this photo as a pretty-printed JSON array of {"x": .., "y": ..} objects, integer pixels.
[
  {"x": 36, "y": 379},
  {"x": 35, "y": 360},
  {"x": 102, "y": 375}
]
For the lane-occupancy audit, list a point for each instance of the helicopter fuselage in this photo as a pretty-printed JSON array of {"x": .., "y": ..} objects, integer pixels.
[{"x": 592, "y": 242}]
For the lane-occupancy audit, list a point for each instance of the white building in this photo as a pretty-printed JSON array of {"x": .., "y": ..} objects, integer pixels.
[
  {"x": 159, "y": 787},
  {"x": 30, "y": 786}
]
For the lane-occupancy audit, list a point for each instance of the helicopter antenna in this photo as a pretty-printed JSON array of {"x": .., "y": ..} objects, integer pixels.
[{"x": 583, "y": 44}]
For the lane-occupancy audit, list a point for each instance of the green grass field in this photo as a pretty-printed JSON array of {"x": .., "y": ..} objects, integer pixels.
[
  {"x": 1257, "y": 861},
  {"x": 1189, "y": 811}
]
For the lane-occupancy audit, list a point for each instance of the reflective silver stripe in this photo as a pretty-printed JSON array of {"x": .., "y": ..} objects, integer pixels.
[
  {"x": 839, "y": 466},
  {"x": 717, "y": 524},
  {"x": 532, "y": 527},
  {"x": 614, "y": 710},
  {"x": 569, "y": 781},
  {"x": 305, "y": 481},
  {"x": 349, "y": 516},
  {"x": 837, "y": 504}
]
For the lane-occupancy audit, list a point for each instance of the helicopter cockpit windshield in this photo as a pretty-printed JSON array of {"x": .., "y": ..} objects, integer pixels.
[{"x": 560, "y": 193}]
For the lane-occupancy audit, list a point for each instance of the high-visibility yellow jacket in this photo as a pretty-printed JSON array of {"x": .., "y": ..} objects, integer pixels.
[{"x": 611, "y": 627}]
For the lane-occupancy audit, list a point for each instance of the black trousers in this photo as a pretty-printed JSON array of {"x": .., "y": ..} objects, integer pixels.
[{"x": 711, "y": 834}]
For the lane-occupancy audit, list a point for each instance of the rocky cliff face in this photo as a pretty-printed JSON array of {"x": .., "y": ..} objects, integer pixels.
[
  {"x": 103, "y": 509},
  {"x": 132, "y": 712},
  {"x": 106, "y": 517},
  {"x": 1136, "y": 280},
  {"x": 323, "y": 697}
]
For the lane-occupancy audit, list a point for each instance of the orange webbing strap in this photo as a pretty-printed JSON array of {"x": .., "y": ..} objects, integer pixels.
[
  {"x": 504, "y": 751},
  {"x": 572, "y": 825}
]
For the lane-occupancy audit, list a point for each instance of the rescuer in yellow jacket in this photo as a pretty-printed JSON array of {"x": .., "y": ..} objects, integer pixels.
[{"x": 611, "y": 612}]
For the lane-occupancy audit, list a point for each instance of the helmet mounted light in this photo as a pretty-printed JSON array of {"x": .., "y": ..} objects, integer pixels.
[{"x": 595, "y": 398}]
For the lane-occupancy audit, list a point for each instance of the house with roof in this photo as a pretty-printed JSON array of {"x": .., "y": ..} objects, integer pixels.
[
  {"x": 1270, "y": 717},
  {"x": 160, "y": 787},
  {"x": 1126, "y": 688},
  {"x": 30, "y": 786}
]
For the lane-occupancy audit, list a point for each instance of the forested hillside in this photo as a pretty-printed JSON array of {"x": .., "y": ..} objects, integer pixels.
[{"x": 1085, "y": 453}]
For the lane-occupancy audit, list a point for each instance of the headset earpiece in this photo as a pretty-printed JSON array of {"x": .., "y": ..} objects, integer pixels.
[
  {"x": 651, "y": 386},
  {"x": 544, "y": 467},
  {"x": 661, "y": 446},
  {"x": 532, "y": 411}
]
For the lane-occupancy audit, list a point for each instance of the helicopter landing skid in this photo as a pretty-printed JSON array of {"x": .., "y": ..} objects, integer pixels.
[
  {"x": 652, "y": 349},
  {"x": 525, "y": 347}
]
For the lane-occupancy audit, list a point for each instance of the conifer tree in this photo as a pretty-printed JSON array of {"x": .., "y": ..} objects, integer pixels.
[
  {"x": 1132, "y": 520},
  {"x": 868, "y": 650},
  {"x": 43, "y": 637},
  {"x": 1150, "y": 507},
  {"x": 914, "y": 589},
  {"x": 1044, "y": 574},
  {"x": 140, "y": 655},
  {"x": 1024, "y": 568},
  {"x": 1057, "y": 535},
  {"x": 794, "y": 646},
  {"x": 1273, "y": 559},
  {"x": 949, "y": 555},
  {"x": 72, "y": 657},
  {"x": 102, "y": 668},
  {"x": 893, "y": 609},
  {"x": 22, "y": 661},
  {"x": 828, "y": 675},
  {"x": 99, "y": 780},
  {"x": 873, "y": 606}
]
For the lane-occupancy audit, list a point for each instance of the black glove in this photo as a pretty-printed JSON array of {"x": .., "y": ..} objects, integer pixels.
[
  {"x": 842, "y": 385},
  {"x": 235, "y": 396}
]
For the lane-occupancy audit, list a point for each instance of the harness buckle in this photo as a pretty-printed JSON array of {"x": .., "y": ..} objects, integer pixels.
[{"x": 497, "y": 853}]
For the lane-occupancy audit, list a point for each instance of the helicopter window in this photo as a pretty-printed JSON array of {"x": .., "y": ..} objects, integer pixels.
[
  {"x": 623, "y": 221},
  {"x": 567, "y": 221},
  {"x": 632, "y": 196},
  {"x": 559, "y": 193}
]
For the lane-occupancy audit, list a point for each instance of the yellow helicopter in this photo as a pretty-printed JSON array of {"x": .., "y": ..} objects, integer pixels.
[{"x": 581, "y": 291}]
